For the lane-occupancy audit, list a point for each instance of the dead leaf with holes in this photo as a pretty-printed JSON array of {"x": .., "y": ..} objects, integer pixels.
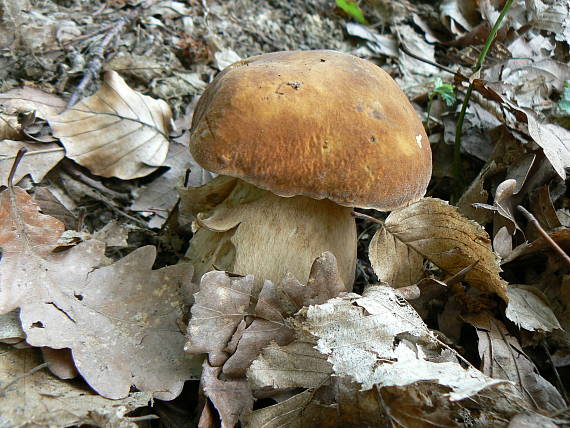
[
  {"x": 117, "y": 132},
  {"x": 37, "y": 162},
  {"x": 40, "y": 399},
  {"x": 435, "y": 230},
  {"x": 529, "y": 308},
  {"x": 118, "y": 319},
  {"x": 385, "y": 357},
  {"x": 503, "y": 358}
]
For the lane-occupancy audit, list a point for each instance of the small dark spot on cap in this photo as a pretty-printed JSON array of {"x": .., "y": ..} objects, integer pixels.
[
  {"x": 373, "y": 139},
  {"x": 323, "y": 60}
]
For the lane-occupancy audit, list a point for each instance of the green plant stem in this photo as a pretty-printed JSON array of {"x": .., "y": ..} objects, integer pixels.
[{"x": 457, "y": 170}]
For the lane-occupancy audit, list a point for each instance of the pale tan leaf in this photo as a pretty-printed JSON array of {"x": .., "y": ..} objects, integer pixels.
[
  {"x": 436, "y": 230},
  {"x": 60, "y": 362},
  {"x": 10, "y": 129},
  {"x": 29, "y": 99},
  {"x": 10, "y": 327},
  {"x": 38, "y": 160},
  {"x": 528, "y": 308},
  {"x": 231, "y": 397},
  {"x": 503, "y": 358},
  {"x": 393, "y": 261},
  {"x": 40, "y": 399},
  {"x": 359, "y": 335},
  {"x": 297, "y": 365},
  {"x": 117, "y": 132}
]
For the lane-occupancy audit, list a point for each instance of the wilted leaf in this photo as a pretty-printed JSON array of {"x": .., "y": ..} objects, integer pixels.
[
  {"x": 10, "y": 129},
  {"x": 60, "y": 362},
  {"x": 159, "y": 196},
  {"x": 118, "y": 320},
  {"x": 233, "y": 325},
  {"x": 438, "y": 232},
  {"x": 117, "y": 132},
  {"x": 359, "y": 336},
  {"x": 297, "y": 365},
  {"x": 30, "y": 99},
  {"x": 40, "y": 399},
  {"x": 38, "y": 160},
  {"x": 503, "y": 358},
  {"x": 528, "y": 308},
  {"x": 231, "y": 397}
]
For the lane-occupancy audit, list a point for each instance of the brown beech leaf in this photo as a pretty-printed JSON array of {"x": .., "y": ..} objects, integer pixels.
[
  {"x": 503, "y": 358},
  {"x": 231, "y": 397},
  {"x": 528, "y": 308},
  {"x": 29, "y": 99},
  {"x": 436, "y": 230},
  {"x": 117, "y": 132},
  {"x": 118, "y": 320},
  {"x": 38, "y": 160},
  {"x": 40, "y": 399}
]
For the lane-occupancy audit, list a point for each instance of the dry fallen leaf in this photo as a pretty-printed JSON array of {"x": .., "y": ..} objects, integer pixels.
[
  {"x": 103, "y": 314},
  {"x": 231, "y": 397},
  {"x": 40, "y": 399},
  {"x": 38, "y": 160},
  {"x": 503, "y": 358},
  {"x": 528, "y": 308},
  {"x": 117, "y": 132},
  {"x": 30, "y": 99},
  {"x": 433, "y": 228},
  {"x": 158, "y": 196}
]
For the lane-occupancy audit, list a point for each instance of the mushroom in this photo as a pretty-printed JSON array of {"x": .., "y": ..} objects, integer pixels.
[{"x": 300, "y": 138}]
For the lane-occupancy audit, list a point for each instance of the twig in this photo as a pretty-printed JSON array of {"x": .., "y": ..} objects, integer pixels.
[
  {"x": 19, "y": 157},
  {"x": 94, "y": 65},
  {"x": 367, "y": 217},
  {"x": 457, "y": 170},
  {"x": 28, "y": 373},
  {"x": 543, "y": 233}
]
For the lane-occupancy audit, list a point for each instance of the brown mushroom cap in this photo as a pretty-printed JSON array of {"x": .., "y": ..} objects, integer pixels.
[{"x": 323, "y": 124}]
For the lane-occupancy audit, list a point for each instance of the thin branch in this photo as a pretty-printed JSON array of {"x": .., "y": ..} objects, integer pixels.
[{"x": 544, "y": 234}]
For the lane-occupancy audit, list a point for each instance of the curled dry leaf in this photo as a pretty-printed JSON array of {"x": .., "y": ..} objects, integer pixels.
[
  {"x": 231, "y": 397},
  {"x": 117, "y": 132},
  {"x": 38, "y": 160},
  {"x": 40, "y": 399},
  {"x": 233, "y": 325},
  {"x": 103, "y": 314},
  {"x": 503, "y": 358},
  {"x": 436, "y": 230},
  {"x": 528, "y": 308}
]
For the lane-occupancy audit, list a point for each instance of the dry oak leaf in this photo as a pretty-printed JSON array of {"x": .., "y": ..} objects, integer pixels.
[
  {"x": 38, "y": 160},
  {"x": 231, "y": 397},
  {"x": 40, "y": 399},
  {"x": 233, "y": 325},
  {"x": 117, "y": 132},
  {"x": 503, "y": 358},
  {"x": 437, "y": 231},
  {"x": 118, "y": 320}
]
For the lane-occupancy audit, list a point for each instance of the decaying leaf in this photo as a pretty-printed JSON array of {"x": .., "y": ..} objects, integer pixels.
[
  {"x": 231, "y": 397},
  {"x": 30, "y": 99},
  {"x": 38, "y": 160},
  {"x": 117, "y": 132},
  {"x": 75, "y": 299},
  {"x": 297, "y": 365},
  {"x": 437, "y": 231},
  {"x": 528, "y": 308},
  {"x": 359, "y": 336},
  {"x": 503, "y": 358},
  {"x": 40, "y": 399}
]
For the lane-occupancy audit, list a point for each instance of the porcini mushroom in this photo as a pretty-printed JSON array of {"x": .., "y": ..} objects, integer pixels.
[{"x": 309, "y": 135}]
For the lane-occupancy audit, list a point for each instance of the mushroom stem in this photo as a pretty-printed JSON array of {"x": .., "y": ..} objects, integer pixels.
[{"x": 253, "y": 231}]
